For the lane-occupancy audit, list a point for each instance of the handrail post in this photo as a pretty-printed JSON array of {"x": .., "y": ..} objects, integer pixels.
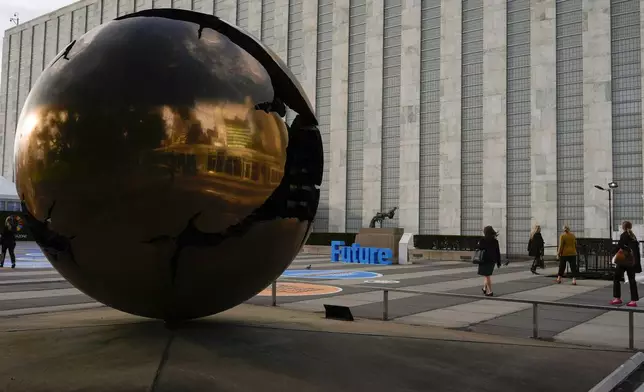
[
  {"x": 535, "y": 321},
  {"x": 631, "y": 337},
  {"x": 385, "y": 305},
  {"x": 274, "y": 292}
]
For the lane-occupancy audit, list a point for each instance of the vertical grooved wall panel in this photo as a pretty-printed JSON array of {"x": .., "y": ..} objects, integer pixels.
[
  {"x": 242, "y": 13},
  {"x": 110, "y": 9},
  {"x": 626, "y": 74},
  {"x": 295, "y": 43},
  {"x": 159, "y": 3},
  {"x": 139, "y": 5},
  {"x": 93, "y": 15},
  {"x": 472, "y": 119},
  {"x": 219, "y": 7},
  {"x": 64, "y": 31},
  {"x": 391, "y": 108},
  {"x": 78, "y": 22},
  {"x": 355, "y": 114},
  {"x": 12, "y": 101},
  {"x": 38, "y": 59},
  {"x": 570, "y": 116},
  {"x": 518, "y": 124},
  {"x": 51, "y": 40},
  {"x": 198, "y": 6},
  {"x": 125, "y": 7},
  {"x": 4, "y": 75},
  {"x": 429, "y": 116},
  {"x": 323, "y": 102},
  {"x": 181, "y": 4},
  {"x": 24, "y": 83},
  {"x": 268, "y": 16}
]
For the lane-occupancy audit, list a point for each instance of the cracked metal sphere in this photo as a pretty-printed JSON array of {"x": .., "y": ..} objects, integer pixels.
[{"x": 156, "y": 170}]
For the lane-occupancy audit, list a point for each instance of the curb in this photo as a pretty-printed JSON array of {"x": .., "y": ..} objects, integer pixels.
[{"x": 620, "y": 374}]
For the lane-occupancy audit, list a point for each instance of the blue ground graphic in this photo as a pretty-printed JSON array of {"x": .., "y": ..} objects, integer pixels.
[{"x": 329, "y": 274}]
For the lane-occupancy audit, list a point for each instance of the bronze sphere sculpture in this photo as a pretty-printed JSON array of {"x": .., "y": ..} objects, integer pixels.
[{"x": 156, "y": 170}]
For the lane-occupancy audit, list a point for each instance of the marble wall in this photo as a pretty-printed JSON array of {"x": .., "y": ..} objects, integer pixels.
[
  {"x": 409, "y": 194},
  {"x": 339, "y": 102},
  {"x": 449, "y": 221},
  {"x": 494, "y": 116},
  {"x": 598, "y": 153},
  {"x": 544, "y": 118},
  {"x": 642, "y": 71},
  {"x": 226, "y": 10},
  {"x": 372, "y": 150}
]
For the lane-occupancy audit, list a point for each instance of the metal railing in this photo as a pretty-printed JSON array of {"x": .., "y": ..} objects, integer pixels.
[{"x": 535, "y": 305}]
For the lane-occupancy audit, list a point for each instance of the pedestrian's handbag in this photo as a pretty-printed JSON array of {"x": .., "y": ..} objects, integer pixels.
[
  {"x": 479, "y": 256},
  {"x": 623, "y": 258}
]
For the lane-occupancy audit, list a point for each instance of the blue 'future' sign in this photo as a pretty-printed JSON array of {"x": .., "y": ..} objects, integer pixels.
[
  {"x": 358, "y": 254},
  {"x": 329, "y": 274}
]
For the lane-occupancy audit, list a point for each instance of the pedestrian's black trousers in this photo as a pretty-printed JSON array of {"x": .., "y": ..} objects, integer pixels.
[
  {"x": 617, "y": 282},
  {"x": 12, "y": 255},
  {"x": 537, "y": 262},
  {"x": 572, "y": 260}
]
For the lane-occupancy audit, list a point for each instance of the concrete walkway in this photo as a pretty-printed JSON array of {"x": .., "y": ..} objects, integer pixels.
[{"x": 253, "y": 348}]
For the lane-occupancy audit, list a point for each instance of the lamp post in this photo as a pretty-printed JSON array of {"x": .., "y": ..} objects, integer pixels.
[{"x": 611, "y": 185}]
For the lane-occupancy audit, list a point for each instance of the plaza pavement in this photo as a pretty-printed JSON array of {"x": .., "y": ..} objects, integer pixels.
[{"x": 34, "y": 287}]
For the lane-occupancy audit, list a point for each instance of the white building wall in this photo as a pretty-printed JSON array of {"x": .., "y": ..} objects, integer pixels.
[
  {"x": 28, "y": 48},
  {"x": 409, "y": 194},
  {"x": 494, "y": 116},
  {"x": 449, "y": 221},
  {"x": 598, "y": 157},
  {"x": 372, "y": 150},
  {"x": 339, "y": 102},
  {"x": 544, "y": 115}
]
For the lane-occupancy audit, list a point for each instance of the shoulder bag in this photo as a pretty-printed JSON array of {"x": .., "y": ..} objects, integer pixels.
[{"x": 479, "y": 256}]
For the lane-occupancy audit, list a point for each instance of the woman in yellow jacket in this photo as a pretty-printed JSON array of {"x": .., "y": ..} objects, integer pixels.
[{"x": 567, "y": 253}]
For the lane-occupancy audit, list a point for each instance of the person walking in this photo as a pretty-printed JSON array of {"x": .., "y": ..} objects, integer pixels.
[
  {"x": 491, "y": 256},
  {"x": 535, "y": 248},
  {"x": 567, "y": 254},
  {"x": 630, "y": 246},
  {"x": 8, "y": 242}
]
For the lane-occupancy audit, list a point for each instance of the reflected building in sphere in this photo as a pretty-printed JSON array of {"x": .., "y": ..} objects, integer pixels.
[{"x": 461, "y": 114}]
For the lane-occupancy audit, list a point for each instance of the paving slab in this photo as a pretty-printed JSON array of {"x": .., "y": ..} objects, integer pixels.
[
  {"x": 552, "y": 319},
  {"x": 465, "y": 315},
  {"x": 45, "y": 301},
  {"x": 36, "y": 285}
]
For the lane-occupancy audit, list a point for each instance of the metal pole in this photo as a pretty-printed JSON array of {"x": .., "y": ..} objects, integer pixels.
[
  {"x": 535, "y": 321},
  {"x": 274, "y": 292},
  {"x": 385, "y": 305},
  {"x": 610, "y": 213},
  {"x": 631, "y": 344}
]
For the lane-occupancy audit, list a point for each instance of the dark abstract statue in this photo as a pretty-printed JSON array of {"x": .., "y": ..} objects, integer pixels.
[
  {"x": 381, "y": 216},
  {"x": 155, "y": 168}
]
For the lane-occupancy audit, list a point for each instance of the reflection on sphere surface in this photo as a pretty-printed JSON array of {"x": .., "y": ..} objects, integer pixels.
[{"x": 155, "y": 168}]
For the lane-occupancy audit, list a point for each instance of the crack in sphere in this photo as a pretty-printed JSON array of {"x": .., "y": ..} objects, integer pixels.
[{"x": 156, "y": 171}]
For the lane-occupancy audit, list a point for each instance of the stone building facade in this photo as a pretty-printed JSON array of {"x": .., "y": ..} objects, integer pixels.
[{"x": 460, "y": 113}]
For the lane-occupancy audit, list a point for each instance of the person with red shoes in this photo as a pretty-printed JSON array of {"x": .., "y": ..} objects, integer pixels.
[{"x": 627, "y": 260}]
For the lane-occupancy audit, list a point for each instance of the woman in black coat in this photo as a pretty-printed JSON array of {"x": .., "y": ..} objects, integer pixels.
[
  {"x": 8, "y": 242},
  {"x": 627, "y": 241},
  {"x": 492, "y": 255},
  {"x": 535, "y": 248}
]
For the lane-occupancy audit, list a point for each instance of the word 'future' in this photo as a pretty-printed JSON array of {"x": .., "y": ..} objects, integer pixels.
[{"x": 357, "y": 254}]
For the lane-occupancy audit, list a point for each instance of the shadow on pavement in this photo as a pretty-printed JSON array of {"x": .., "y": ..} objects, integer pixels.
[{"x": 226, "y": 355}]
